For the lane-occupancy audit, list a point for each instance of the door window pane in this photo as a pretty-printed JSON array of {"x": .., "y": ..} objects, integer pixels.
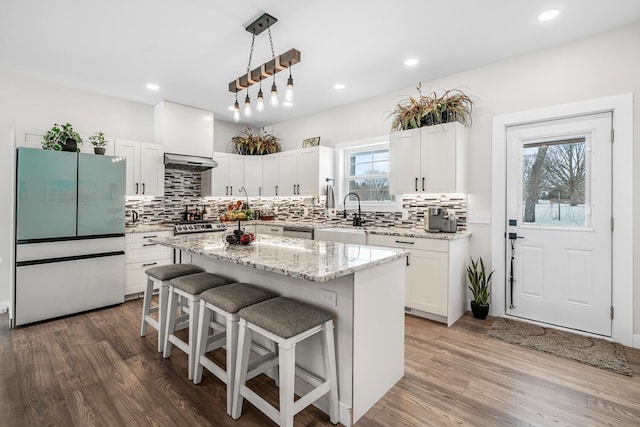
[{"x": 554, "y": 183}]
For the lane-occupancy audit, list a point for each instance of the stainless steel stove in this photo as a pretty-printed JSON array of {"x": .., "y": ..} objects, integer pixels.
[{"x": 203, "y": 226}]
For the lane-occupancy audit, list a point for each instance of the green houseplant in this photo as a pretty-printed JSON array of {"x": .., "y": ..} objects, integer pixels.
[
  {"x": 251, "y": 143},
  {"x": 99, "y": 143},
  {"x": 428, "y": 110},
  {"x": 480, "y": 284},
  {"x": 61, "y": 138}
]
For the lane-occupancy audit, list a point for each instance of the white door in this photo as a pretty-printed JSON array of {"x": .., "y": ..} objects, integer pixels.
[
  {"x": 558, "y": 267},
  {"x": 130, "y": 150},
  {"x": 288, "y": 173},
  {"x": 404, "y": 152},
  {"x": 253, "y": 175},
  {"x": 270, "y": 174},
  {"x": 308, "y": 173},
  {"x": 236, "y": 174},
  {"x": 438, "y": 159},
  {"x": 151, "y": 169}
]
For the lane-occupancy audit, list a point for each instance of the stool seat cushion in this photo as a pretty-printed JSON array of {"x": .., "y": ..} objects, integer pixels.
[
  {"x": 171, "y": 271},
  {"x": 195, "y": 284},
  {"x": 284, "y": 317},
  {"x": 233, "y": 298}
]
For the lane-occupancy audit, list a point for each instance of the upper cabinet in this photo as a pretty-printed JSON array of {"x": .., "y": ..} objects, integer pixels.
[
  {"x": 430, "y": 159},
  {"x": 253, "y": 175},
  {"x": 183, "y": 130},
  {"x": 270, "y": 175},
  {"x": 145, "y": 167},
  {"x": 303, "y": 172},
  {"x": 227, "y": 178}
]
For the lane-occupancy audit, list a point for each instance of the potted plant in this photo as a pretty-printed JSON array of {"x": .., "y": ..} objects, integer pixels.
[
  {"x": 428, "y": 110},
  {"x": 99, "y": 143},
  {"x": 251, "y": 143},
  {"x": 61, "y": 138},
  {"x": 480, "y": 284}
]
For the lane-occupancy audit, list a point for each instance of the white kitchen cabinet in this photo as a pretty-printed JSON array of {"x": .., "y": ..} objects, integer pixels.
[
  {"x": 253, "y": 175},
  {"x": 270, "y": 175},
  {"x": 225, "y": 179},
  {"x": 436, "y": 280},
  {"x": 273, "y": 230},
  {"x": 303, "y": 172},
  {"x": 141, "y": 254},
  {"x": 182, "y": 129},
  {"x": 430, "y": 159},
  {"x": 145, "y": 167}
]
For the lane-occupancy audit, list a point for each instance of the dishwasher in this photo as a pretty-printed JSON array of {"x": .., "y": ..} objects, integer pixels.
[{"x": 299, "y": 233}]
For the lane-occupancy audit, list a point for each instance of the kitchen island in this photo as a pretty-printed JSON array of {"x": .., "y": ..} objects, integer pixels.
[{"x": 363, "y": 286}]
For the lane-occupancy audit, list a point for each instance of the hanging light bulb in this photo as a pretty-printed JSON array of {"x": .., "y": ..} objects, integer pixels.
[
  {"x": 288, "y": 96},
  {"x": 236, "y": 110},
  {"x": 247, "y": 106},
  {"x": 274, "y": 94},
  {"x": 260, "y": 105}
]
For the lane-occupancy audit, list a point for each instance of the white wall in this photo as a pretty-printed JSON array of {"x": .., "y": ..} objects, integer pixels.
[
  {"x": 598, "y": 66},
  {"x": 222, "y": 134}
]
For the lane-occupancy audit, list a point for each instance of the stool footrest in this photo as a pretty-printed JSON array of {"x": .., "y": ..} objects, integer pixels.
[
  {"x": 179, "y": 343},
  {"x": 154, "y": 309},
  {"x": 310, "y": 397},
  {"x": 153, "y": 322},
  {"x": 264, "y": 406},
  {"x": 216, "y": 370},
  {"x": 261, "y": 364}
]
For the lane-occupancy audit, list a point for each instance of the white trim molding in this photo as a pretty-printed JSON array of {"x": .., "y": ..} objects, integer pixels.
[{"x": 622, "y": 239}]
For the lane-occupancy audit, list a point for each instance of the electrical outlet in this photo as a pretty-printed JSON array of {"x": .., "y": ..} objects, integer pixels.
[
  {"x": 329, "y": 297},
  {"x": 479, "y": 217}
]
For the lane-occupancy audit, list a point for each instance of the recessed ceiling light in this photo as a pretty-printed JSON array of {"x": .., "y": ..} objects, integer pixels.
[
  {"x": 287, "y": 104},
  {"x": 548, "y": 15},
  {"x": 152, "y": 86},
  {"x": 339, "y": 86},
  {"x": 411, "y": 62}
]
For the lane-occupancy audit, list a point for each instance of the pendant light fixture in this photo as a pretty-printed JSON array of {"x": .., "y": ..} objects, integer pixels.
[
  {"x": 236, "y": 110},
  {"x": 268, "y": 69}
]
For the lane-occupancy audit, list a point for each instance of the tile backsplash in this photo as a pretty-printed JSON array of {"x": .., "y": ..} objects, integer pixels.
[{"x": 183, "y": 188}]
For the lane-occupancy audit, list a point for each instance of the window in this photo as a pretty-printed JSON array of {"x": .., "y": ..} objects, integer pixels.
[{"x": 364, "y": 170}]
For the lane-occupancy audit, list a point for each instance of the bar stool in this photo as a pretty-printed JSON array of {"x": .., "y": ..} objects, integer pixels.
[
  {"x": 161, "y": 275},
  {"x": 189, "y": 288},
  {"x": 287, "y": 322},
  {"x": 225, "y": 301}
]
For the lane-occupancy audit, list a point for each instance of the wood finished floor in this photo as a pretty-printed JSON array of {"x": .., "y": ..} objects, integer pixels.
[{"x": 95, "y": 369}]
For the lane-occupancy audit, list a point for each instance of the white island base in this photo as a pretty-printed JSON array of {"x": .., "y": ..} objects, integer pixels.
[{"x": 369, "y": 327}]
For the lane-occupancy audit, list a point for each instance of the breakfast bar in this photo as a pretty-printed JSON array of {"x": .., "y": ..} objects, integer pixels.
[{"x": 363, "y": 286}]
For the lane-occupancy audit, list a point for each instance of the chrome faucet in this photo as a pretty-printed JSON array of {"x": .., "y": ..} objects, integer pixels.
[{"x": 357, "y": 219}]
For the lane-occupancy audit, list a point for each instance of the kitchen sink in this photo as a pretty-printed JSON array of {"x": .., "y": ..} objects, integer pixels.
[{"x": 342, "y": 235}]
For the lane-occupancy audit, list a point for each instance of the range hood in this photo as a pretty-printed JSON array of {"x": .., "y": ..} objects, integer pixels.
[{"x": 189, "y": 163}]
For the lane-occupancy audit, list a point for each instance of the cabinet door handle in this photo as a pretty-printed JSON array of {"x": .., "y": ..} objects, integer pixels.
[
  {"x": 149, "y": 244},
  {"x": 406, "y": 243},
  {"x": 137, "y": 187},
  {"x": 294, "y": 189},
  {"x": 276, "y": 190},
  {"x": 259, "y": 191},
  {"x": 143, "y": 188},
  {"x": 423, "y": 183},
  {"x": 298, "y": 188},
  {"x": 231, "y": 188},
  {"x": 407, "y": 259},
  {"x": 226, "y": 190},
  {"x": 149, "y": 237},
  {"x": 149, "y": 263},
  {"x": 416, "y": 184}
]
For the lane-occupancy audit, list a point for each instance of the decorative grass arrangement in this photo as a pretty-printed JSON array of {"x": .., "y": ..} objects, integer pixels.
[
  {"x": 453, "y": 106},
  {"x": 251, "y": 143}
]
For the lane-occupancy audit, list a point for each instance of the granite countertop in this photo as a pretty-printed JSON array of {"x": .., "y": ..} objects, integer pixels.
[
  {"x": 147, "y": 228},
  {"x": 298, "y": 258}
]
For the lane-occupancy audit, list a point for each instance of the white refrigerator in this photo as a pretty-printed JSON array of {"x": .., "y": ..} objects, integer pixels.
[{"x": 69, "y": 247}]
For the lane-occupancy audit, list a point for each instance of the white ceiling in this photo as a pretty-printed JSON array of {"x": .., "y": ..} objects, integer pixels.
[{"x": 193, "y": 48}]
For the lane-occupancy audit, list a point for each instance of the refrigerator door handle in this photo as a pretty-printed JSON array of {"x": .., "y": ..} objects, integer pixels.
[{"x": 67, "y": 258}]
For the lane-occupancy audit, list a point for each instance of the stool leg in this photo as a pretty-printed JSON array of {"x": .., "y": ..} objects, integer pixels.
[
  {"x": 146, "y": 306},
  {"x": 171, "y": 322},
  {"x": 163, "y": 293},
  {"x": 287, "y": 362},
  {"x": 201, "y": 345},
  {"x": 329, "y": 356},
  {"x": 232, "y": 346},
  {"x": 242, "y": 362},
  {"x": 194, "y": 308}
]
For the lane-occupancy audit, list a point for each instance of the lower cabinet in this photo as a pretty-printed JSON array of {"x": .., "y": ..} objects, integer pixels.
[
  {"x": 141, "y": 254},
  {"x": 435, "y": 277},
  {"x": 274, "y": 230}
]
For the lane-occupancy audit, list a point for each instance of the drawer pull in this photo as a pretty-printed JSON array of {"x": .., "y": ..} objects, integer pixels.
[
  {"x": 149, "y": 244},
  {"x": 274, "y": 229},
  {"x": 149, "y": 237},
  {"x": 406, "y": 243},
  {"x": 149, "y": 263}
]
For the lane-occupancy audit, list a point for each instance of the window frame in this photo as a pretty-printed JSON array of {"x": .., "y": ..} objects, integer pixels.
[{"x": 342, "y": 152}]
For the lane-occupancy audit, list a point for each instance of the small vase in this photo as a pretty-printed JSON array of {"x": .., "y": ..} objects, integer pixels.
[
  {"x": 479, "y": 311},
  {"x": 70, "y": 145},
  {"x": 99, "y": 150}
]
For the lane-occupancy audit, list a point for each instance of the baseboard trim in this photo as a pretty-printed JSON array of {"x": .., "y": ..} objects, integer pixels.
[
  {"x": 4, "y": 306},
  {"x": 636, "y": 341}
]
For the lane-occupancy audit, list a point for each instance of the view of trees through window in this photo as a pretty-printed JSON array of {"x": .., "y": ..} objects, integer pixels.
[
  {"x": 554, "y": 178},
  {"x": 368, "y": 174}
]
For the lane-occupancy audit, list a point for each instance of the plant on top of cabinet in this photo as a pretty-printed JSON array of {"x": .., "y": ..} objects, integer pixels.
[
  {"x": 250, "y": 143},
  {"x": 99, "y": 143},
  {"x": 480, "y": 284},
  {"x": 453, "y": 106},
  {"x": 61, "y": 137}
]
